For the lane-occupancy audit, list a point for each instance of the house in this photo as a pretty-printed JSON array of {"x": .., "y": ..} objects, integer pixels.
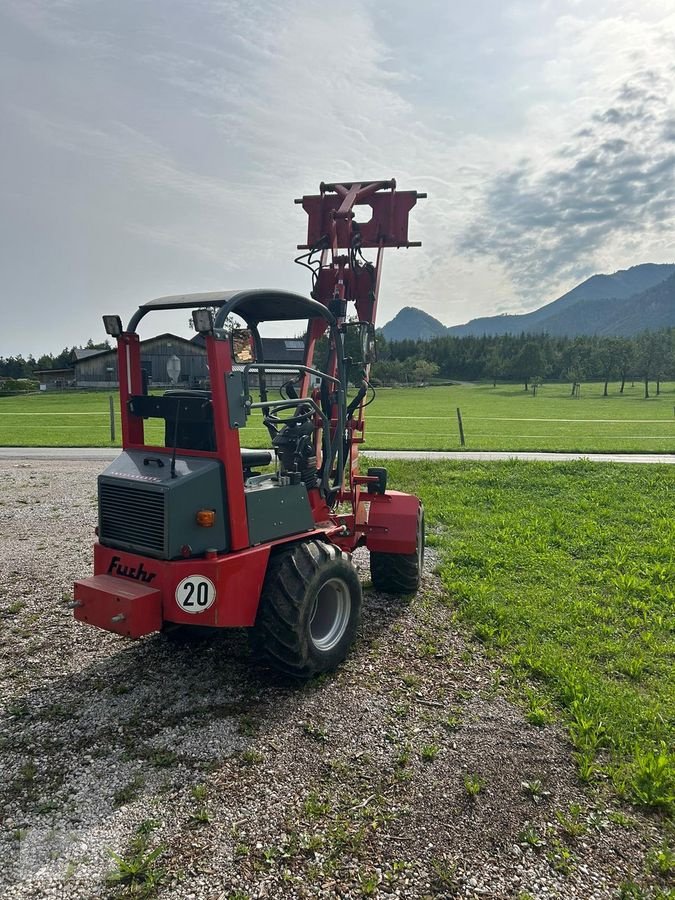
[
  {"x": 171, "y": 360},
  {"x": 55, "y": 379}
]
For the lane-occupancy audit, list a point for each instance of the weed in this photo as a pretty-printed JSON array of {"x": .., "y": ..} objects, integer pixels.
[
  {"x": 453, "y": 722},
  {"x": 403, "y": 757},
  {"x": 316, "y": 732},
  {"x": 199, "y": 792},
  {"x": 586, "y": 768},
  {"x": 17, "y": 708},
  {"x": 571, "y": 823},
  {"x": 429, "y": 752},
  {"x": 398, "y": 867},
  {"x": 561, "y": 858},
  {"x": 662, "y": 861},
  {"x": 629, "y": 890},
  {"x": 368, "y": 883},
  {"x": 621, "y": 819},
  {"x": 28, "y": 772},
  {"x": 251, "y": 757},
  {"x": 537, "y": 712},
  {"x": 129, "y": 792},
  {"x": 473, "y": 784},
  {"x": 530, "y": 836},
  {"x": 162, "y": 759},
  {"x": 138, "y": 871},
  {"x": 535, "y": 789},
  {"x": 314, "y": 807},
  {"x": 247, "y": 726},
  {"x": 200, "y": 816},
  {"x": 444, "y": 874},
  {"x": 652, "y": 778}
]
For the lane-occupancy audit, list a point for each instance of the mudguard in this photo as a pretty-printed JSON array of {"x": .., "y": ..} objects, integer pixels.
[{"x": 392, "y": 522}]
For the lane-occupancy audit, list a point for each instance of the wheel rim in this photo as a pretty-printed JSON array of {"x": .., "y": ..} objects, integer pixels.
[{"x": 330, "y": 614}]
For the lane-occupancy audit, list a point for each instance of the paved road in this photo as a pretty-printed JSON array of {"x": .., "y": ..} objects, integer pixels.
[{"x": 107, "y": 453}]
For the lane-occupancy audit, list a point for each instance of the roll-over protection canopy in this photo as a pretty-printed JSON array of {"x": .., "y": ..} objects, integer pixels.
[{"x": 254, "y": 306}]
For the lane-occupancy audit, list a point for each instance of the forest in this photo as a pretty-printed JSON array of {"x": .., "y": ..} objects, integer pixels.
[{"x": 648, "y": 357}]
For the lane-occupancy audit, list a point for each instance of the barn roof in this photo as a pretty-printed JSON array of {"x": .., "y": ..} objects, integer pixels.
[{"x": 84, "y": 352}]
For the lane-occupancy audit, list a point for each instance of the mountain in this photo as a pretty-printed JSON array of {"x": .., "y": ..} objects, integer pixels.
[
  {"x": 624, "y": 303},
  {"x": 415, "y": 324}
]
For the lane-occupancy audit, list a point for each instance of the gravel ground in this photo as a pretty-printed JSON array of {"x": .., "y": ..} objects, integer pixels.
[{"x": 408, "y": 773}]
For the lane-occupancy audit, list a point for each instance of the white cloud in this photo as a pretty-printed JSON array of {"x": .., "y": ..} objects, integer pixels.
[{"x": 179, "y": 136}]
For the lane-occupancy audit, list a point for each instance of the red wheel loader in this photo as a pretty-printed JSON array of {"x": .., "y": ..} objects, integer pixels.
[{"x": 190, "y": 533}]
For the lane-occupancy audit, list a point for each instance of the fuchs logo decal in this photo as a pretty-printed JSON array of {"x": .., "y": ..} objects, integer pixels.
[{"x": 138, "y": 574}]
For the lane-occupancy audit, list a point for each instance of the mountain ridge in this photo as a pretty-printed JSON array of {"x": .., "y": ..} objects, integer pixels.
[{"x": 623, "y": 303}]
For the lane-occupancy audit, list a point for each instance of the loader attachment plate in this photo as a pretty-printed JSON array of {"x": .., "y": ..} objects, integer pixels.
[{"x": 118, "y": 605}]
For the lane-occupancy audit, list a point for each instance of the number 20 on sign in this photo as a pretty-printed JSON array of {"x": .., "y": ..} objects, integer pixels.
[{"x": 195, "y": 593}]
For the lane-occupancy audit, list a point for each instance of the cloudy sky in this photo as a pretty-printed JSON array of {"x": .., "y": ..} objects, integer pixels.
[{"x": 156, "y": 147}]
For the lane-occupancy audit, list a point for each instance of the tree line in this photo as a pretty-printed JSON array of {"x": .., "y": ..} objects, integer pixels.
[
  {"x": 530, "y": 359},
  {"x": 15, "y": 367}
]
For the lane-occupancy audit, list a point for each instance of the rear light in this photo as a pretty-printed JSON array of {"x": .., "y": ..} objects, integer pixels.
[{"x": 206, "y": 518}]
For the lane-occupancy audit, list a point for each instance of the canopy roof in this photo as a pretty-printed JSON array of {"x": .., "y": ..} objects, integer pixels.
[{"x": 258, "y": 305}]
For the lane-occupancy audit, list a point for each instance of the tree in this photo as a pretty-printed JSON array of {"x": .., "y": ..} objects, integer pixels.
[
  {"x": 423, "y": 370},
  {"x": 528, "y": 363},
  {"x": 494, "y": 364},
  {"x": 647, "y": 355},
  {"x": 606, "y": 361},
  {"x": 625, "y": 359}
]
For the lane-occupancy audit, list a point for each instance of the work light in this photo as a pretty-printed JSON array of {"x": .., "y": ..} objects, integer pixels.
[
  {"x": 203, "y": 320},
  {"x": 112, "y": 325}
]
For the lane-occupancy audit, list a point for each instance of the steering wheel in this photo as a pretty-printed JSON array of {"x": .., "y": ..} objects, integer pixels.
[{"x": 298, "y": 419}]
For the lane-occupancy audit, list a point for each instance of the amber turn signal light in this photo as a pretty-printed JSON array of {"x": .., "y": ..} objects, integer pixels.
[{"x": 206, "y": 518}]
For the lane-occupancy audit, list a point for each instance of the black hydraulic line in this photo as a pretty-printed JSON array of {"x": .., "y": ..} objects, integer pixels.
[{"x": 175, "y": 440}]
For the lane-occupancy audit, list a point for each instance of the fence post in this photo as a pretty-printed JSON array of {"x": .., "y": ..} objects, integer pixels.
[
  {"x": 112, "y": 419},
  {"x": 461, "y": 427}
]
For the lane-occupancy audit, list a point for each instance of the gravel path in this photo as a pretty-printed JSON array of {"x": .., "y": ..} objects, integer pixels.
[{"x": 408, "y": 773}]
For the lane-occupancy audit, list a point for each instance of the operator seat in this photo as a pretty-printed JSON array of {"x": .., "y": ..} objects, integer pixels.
[{"x": 201, "y": 435}]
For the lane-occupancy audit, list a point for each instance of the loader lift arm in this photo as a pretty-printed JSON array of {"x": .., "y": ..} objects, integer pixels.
[{"x": 341, "y": 275}]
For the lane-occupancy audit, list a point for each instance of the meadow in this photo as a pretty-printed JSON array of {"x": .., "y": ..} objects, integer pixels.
[
  {"x": 502, "y": 418},
  {"x": 566, "y": 572}
]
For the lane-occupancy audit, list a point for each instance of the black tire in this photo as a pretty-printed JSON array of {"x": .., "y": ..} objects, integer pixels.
[
  {"x": 399, "y": 573},
  {"x": 309, "y": 610}
]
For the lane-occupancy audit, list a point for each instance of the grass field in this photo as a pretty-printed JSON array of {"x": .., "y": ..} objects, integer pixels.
[
  {"x": 567, "y": 572},
  {"x": 501, "y": 418}
]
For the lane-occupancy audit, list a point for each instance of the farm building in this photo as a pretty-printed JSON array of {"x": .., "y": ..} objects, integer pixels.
[
  {"x": 55, "y": 379},
  {"x": 169, "y": 359}
]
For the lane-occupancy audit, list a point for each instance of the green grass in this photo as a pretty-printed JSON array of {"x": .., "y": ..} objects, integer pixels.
[
  {"x": 567, "y": 572},
  {"x": 508, "y": 418},
  {"x": 501, "y": 418}
]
